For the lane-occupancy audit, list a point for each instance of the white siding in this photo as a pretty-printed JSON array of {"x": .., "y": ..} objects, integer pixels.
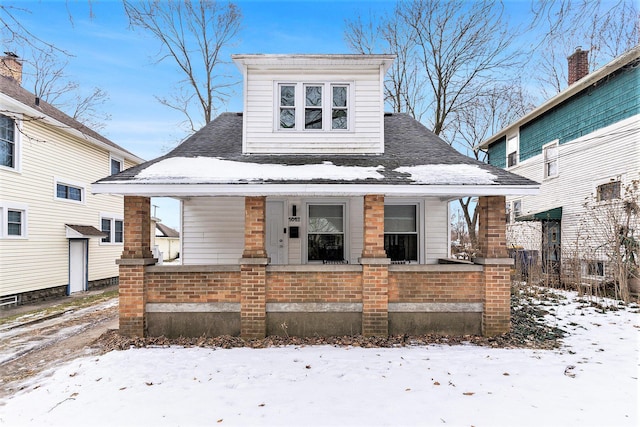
[
  {"x": 212, "y": 230},
  {"x": 42, "y": 259},
  {"x": 436, "y": 230},
  {"x": 367, "y": 109},
  {"x": 583, "y": 163}
]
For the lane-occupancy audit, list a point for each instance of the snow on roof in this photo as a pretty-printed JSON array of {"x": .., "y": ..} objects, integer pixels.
[
  {"x": 214, "y": 170},
  {"x": 449, "y": 174}
]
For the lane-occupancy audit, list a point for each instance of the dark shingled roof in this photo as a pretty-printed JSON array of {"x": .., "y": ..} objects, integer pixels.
[
  {"x": 166, "y": 230},
  {"x": 407, "y": 143},
  {"x": 12, "y": 88},
  {"x": 87, "y": 230}
]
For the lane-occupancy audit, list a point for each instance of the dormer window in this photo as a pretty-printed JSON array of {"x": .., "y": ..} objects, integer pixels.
[{"x": 313, "y": 106}]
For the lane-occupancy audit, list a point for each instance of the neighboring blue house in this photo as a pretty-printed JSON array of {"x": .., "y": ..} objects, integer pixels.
[{"x": 581, "y": 145}]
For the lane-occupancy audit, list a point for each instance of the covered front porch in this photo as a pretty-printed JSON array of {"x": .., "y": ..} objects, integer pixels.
[{"x": 254, "y": 295}]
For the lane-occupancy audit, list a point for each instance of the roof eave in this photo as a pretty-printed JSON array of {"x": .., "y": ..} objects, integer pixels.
[
  {"x": 570, "y": 91},
  {"x": 339, "y": 189}
]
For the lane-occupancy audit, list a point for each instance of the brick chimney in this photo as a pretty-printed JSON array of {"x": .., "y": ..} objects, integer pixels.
[
  {"x": 11, "y": 66},
  {"x": 578, "y": 65}
]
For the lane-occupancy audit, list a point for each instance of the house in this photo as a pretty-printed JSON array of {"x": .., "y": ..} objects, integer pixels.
[
  {"x": 56, "y": 236},
  {"x": 314, "y": 212},
  {"x": 582, "y": 145},
  {"x": 165, "y": 241}
]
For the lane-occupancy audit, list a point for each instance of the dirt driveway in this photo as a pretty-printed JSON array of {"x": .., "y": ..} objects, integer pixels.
[{"x": 48, "y": 337}]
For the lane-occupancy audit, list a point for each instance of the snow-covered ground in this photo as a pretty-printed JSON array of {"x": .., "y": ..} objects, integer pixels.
[{"x": 592, "y": 380}]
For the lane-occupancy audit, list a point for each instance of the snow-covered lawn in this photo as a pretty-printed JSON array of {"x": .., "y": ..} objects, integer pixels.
[{"x": 592, "y": 380}]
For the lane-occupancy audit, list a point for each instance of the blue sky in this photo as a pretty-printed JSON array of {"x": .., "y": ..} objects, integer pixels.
[{"x": 110, "y": 56}]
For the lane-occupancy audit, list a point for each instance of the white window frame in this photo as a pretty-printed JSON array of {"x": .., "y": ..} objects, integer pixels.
[
  {"x": 515, "y": 212},
  {"x": 69, "y": 183},
  {"x": 114, "y": 158},
  {"x": 17, "y": 145},
  {"x": 586, "y": 264},
  {"x": 5, "y": 207},
  {"x": 327, "y": 105},
  {"x": 546, "y": 161},
  {"x": 419, "y": 225},
  {"x": 112, "y": 218},
  {"x": 513, "y": 146},
  {"x": 345, "y": 225}
]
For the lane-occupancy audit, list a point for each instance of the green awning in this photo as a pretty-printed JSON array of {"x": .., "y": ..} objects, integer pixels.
[{"x": 554, "y": 214}]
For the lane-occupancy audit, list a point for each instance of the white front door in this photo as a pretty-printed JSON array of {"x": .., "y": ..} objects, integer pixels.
[
  {"x": 77, "y": 265},
  {"x": 275, "y": 244}
]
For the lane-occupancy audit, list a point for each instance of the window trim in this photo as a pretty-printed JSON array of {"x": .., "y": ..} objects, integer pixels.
[
  {"x": 5, "y": 207},
  {"x": 113, "y": 219},
  {"x": 17, "y": 144},
  {"x": 300, "y": 106},
  {"x": 345, "y": 225},
  {"x": 419, "y": 226},
  {"x": 112, "y": 158},
  {"x": 69, "y": 183},
  {"x": 545, "y": 162}
]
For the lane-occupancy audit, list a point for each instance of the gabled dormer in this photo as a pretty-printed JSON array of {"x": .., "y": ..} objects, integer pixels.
[{"x": 313, "y": 104}]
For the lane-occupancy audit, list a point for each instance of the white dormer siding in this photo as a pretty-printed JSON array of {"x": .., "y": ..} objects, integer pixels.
[{"x": 307, "y": 125}]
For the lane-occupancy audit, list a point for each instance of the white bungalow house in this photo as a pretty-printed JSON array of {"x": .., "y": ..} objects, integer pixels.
[
  {"x": 582, "y": 145},
  {"x": 56, "y": 236},
  {"x": 314, "y": 212}
]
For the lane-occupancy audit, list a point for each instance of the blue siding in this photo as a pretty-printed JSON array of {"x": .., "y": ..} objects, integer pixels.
[
  {"x": 610, "y": 100},
  {"x": 498, "y": 153}
]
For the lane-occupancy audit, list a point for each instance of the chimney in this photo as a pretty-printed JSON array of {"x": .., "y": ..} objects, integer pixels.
[
  {"x": 578, "y": 65},
  {"x": 11, "y": 66}
]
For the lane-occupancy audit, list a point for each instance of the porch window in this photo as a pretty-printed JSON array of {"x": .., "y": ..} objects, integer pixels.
[
  {"x": 608, "y": 191},
  {"x": 325, "y": 233},
  {"x": 401, "y": 232},
  {"x": 7, "y": 142}
]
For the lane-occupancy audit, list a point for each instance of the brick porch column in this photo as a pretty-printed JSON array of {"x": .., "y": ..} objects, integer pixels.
[
  {"x": 253, "y": 270},
  {"x": 492, "y": 242},
  {"x": 135, "y": 256},
  {"x": 375, "y": 270}
]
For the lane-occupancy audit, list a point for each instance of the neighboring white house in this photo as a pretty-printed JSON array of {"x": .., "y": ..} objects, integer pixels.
[
  {"x": 56, "y": 236},
  {"x": 317, "y": 210},
  {"x": 165, "y": 241},
  {"x": 583, "y": 145}
]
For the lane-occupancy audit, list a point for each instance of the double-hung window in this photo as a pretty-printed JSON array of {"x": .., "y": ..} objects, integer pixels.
[
  {"x": 512, "y": 150},
  {"x": 13, "y": 221},
  {"x": 7, "y": 142},
  {"x": 313, "y": 107},
  {"x": 114, "y": 230},
  {"x": 325, "y": 232},
  {"x": 550, "y": 155},
  {"x": 401, "y": 232}
]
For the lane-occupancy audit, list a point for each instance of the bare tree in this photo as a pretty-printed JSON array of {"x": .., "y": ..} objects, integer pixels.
[
  {"x": 192, "y": 34},
  {"x": 404, "y": 88},
  {"x": 603, "y": 27},
  {"x": 450, "y": 56}
]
